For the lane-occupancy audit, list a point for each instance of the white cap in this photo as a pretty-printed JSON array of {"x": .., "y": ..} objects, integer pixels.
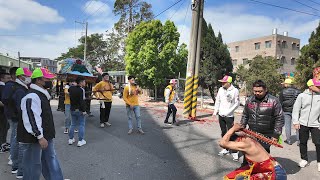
[{"x": 173, "y": 81}]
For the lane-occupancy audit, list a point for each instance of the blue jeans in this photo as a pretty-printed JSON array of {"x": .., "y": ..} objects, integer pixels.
[
  {"x": 280, "y": 173},
  {"x": 37, "y": 160},
  {"x": 288, "y": 125},
  {"x": 14, "y": 149},
  {"x": 77, "y": 118},
  {"x": 136, "y": 111},
  {"x": 67, "y": 113},
  {"x": 22, "y": 150}
]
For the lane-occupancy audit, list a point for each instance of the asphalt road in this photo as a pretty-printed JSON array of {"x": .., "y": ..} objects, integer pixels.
[{"x": 186, "y": 152}]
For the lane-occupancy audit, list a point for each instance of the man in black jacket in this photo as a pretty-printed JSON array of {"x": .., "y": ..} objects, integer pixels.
[
  {"x": 4, "y": 124},
  {"x": 78, "y": 108},
  {"x": 287, "y": 97},
  {"x": 263, "y": 113}
]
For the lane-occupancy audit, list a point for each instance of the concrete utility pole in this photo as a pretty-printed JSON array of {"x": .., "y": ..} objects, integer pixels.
[
  {"x": 19, "y": 58},
  {"x": 85, "y": 39},
  {"x": 191, "y": 87}
]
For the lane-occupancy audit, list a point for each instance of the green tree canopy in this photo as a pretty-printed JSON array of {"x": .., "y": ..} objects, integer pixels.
[
  {"x": 153, "y": 53},
  {"x": 215, "y": 59},
  {"x": 309, "y": 59}
]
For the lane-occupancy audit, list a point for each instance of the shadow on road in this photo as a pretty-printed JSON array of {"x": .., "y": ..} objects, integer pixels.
[{"x": 290, "y": 166}]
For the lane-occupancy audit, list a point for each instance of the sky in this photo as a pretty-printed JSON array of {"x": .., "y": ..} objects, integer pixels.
[{"x": 47, "y": 28}]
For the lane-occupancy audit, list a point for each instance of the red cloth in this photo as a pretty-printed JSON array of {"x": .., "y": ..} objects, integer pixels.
[{"x": 255, "y": 171}]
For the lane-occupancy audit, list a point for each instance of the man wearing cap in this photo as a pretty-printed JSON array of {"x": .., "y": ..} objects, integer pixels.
[
  {"x": 306, "y": 119},
  {"x": 39, "y": 130},
  {"x": 227, "y": 101},
  {"x": 263, "y": 114},
  {"x": 287, "y": 97},
  {"x": 170, "y": 98}
]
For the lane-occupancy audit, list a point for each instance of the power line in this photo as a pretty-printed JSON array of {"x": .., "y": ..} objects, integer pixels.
[
  {"x": 306, "y": 5},
  {"x": 177, "y": 9},
  {"x": 87, "y": 5},
  {"x": 314, "y": 2},
  {"x": 103, "y": 4},
  {"x": 298, "y": 11},
  {"x": 167, "y": 8}
]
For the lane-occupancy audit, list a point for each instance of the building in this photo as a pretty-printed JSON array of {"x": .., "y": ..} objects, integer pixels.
[
  {"x": 42, "y": 62},
  {"x": 286, "y": 49},
  {"x": 6, "y": 62}
]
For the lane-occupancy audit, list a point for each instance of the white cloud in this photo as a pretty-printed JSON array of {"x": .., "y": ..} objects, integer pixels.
[
  {"x": 15, "y": 12},
  {"x": 95, "y": 8}
]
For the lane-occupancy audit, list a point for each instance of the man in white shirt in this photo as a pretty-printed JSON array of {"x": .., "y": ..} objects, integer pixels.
[{"x": 227, "y": 101}]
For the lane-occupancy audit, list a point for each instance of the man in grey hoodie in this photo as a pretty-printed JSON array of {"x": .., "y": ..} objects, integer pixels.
[{"x": 306, "y": 119}]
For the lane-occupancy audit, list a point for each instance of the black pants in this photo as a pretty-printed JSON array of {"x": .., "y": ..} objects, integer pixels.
[
  {"x": 171, "y": 109},
  {"x": 105, "y": 112},
  {"x": 304, "y": 132},
  {"x": 4, "y": 127},
  {"x": 88, "y": 103},
  {"x": 226, "y": 123}
]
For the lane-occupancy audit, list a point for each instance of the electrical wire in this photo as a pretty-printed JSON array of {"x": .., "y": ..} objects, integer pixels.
[
  {"x": 183, "y": 1},
  {"x": 294, "y": 10},
  {"x": 306, "y": 5},
  {"x": 103, "y": 4},
  {"x": 314, "y": 2},
  {"x": 167, "y": 8}
]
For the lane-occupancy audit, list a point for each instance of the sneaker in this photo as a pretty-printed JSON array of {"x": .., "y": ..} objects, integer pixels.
[
  {"x": 288, "y": 142},
  {"x": 140, "y": 131},
  {"x": 303, "y": 163},
  {"x": 66, "y": 131},
  {"x": 76, "y": 131},
  {"x": 130, "y": 131},
  {"x": 71, "y": 141},
  {"x": 107, "y": 124},
  {"x": 298, "y": 143},
  {"x": 10, "y": 162},
  {"x": 319, "y": 167},
  {"x": 14, "y": 171},
  {"x": 235, "y": 156},
  {"x": 3, "y": 150},
  {"x": 19, "y": 176},
  {"x": 102, "y": 125},
  {"x": 167, "y": 123},
  {"x": 223, "y": 152},
  {"x": 81, "y": 143}
]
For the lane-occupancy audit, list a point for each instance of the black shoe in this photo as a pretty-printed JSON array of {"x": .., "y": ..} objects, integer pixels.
[{"x": 288, "y": 142}]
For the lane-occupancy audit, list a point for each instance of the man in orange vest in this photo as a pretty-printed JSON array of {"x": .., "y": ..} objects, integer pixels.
[{"x": 170, "y": 98}]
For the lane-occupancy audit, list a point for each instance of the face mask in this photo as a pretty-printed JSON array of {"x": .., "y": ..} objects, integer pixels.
[
  {"x": 27, "y": 80},
  {"x": 48, "y": 85}
]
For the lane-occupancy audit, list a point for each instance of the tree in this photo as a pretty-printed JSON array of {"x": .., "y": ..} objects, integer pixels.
[
  {"x": 153, "y": 54},
  {"x": 265, "y": 69},
  {"x": 215, "y": 59},
  {"x": 309, "y": 59}
]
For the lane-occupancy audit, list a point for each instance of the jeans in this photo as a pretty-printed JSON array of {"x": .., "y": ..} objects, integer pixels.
[
  {"x": 105, "y": 112},
  {"x": 22, "y": 150},
  {"x": 77, "y": 118},
  {"x": 4, "y": 127},
  {"x": 14, "y": 149},
  {"x": 171, "y": 109},
  {"x": 288, "y": 125},
  {"x": 304, "y": 132},
  {"x": 67, "y": 113},
  {"x": 37, "y": 160},
  {"x": 136, "y": 111},
  {"x": 226, "y": 123},
  {"x": 280, "y": 173}
]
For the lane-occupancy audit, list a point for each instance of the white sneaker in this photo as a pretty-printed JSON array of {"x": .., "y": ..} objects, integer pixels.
[
  {"x": 235, "y": 156},
  {"x": 81, "y": 143},
  {"x": 303, "y": 163},
  {"x": 319, "y": 167},
  {"x": 130, "y": 131},
  {"x": 71, "y": 141},
  {"x": 102, "y": 125},
  {"x": 223, "y": 152},
  {"x": 107, "y": 124},
  {"x": 10, "y": 162}
]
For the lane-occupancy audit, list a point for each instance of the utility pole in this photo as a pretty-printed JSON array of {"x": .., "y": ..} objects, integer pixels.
[
  {"x": 85, "y": 39},
  {"x": 19, "y": 58},
  {"x": 191, "y": 87}
]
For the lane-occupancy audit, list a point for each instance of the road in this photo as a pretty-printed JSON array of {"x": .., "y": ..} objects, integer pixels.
[{"x": 185, "y": 152}]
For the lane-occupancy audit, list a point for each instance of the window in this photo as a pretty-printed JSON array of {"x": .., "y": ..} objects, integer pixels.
[
  {"x": 268, "y": 44},
  {"x": 283, "y": 60},
  {"x": 234, "y": 62},
  {"x": 257, "y": 46},
  {"x": 245, "y": 61},
  {"x": 293, "y": 61},
  {"x": 237, "y": 49},
  {"x": 284, "y": 44}
]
